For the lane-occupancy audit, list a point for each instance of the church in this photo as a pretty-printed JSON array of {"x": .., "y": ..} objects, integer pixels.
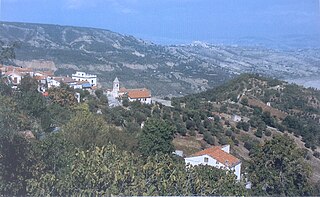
[{"x": 142, "y": 94}]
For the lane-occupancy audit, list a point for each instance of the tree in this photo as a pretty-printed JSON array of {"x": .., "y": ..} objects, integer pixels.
[
  {"x": 190, "y": 124},
  {"x": 125, "y": 102},
  {"x": 208, "y": 138},
  {"x": 258, "y": 133},
  {"x": 277, "y": 168},
  {"x": 86, "y": 130},
  {"x": 62, "y": 96},
  {"x": 98, "y": 93},
  {"x": 17, "y": 164},
  {"x": 244, "y": 101},
  {"x": 156, "y": 138},
  {"x": 108, "y": 171}
]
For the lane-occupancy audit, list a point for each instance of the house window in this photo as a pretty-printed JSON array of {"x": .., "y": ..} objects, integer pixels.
[
  {"x": 91, "y": 81},
  {"x": 206, "y": 159},
  {"x": 217, "y": 162}
]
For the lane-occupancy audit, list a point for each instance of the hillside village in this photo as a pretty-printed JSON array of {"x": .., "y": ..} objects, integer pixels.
[
  {"x": 222, "y": 129},
  {"x": 227, "y": 112},
  {"x": 83, "y": 81},
  {"x": 79, "y": 80}
]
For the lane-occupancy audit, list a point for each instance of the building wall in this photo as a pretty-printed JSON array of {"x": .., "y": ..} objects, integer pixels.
[
  {"x": 16, "y": 79},
  {"x": 198, "y": 160},
  {"x": 82, "y": 76},
  {"x": 142, "y": 100},
  {"x": 53, "y": 83},
  {"x": 226, "y": 148},
  {"x": 238, "y": 171}
]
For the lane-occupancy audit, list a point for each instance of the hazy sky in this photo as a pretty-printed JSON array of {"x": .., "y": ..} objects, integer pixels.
[{"x": 175, "y": 21}]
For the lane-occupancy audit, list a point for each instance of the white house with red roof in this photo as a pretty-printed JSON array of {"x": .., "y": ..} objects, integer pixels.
[
  {"x": 217, "y": 156},
  {"x": 142, "y": 94}
]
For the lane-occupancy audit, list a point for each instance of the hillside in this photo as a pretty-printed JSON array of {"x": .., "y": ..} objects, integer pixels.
[
  {"x": 56, "y": 145},
  {"x": 249, "y": 110},
  {"x": 166, "y": 70}
]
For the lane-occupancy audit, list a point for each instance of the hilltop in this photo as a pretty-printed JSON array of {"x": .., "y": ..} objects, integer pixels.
[{"x": 167, "y": 70}]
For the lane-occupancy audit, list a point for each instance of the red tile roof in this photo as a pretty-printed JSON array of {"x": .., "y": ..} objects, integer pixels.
[
  {"x": 39, "y": 77},
  {"x": 45, "y": 94},
  {"x": 64, "y": 79},
  {"x": 221, "y": 156},
  {"x": 122, "y": 90},
  {"x": 13, "y": 73},
  {"x": 138, "y": 93}
]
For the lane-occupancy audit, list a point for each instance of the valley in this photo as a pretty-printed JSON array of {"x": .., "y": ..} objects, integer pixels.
[{"x": 174, "y": 70}]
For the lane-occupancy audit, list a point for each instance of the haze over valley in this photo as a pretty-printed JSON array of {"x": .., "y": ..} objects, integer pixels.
[{"x": 174, "y": 70}]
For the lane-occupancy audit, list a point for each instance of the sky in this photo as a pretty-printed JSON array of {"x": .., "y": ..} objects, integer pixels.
[{"x": 175, "y": 21}]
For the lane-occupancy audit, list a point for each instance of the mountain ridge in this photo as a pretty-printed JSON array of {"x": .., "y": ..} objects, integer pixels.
[{"x": 173, "y": 70}]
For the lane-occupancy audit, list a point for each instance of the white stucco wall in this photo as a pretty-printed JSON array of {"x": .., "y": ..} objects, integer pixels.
[
  {"x": 238, "y": 171},
  {"x": 142, "y": 100},
  {"x": 198, "y": 160},
  {"x": 16, "y": 77},
  {"x": 226, "y": 148},
  {"x": 82, "y": 76},
  {"x": 52, "y": 83}
]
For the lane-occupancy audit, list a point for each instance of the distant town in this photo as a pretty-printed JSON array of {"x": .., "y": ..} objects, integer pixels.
[{"x": 80, "y": 80}]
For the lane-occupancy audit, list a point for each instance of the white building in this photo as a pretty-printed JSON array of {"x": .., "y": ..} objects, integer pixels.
[
  {"x": 14, "y": 77},
  {"x": 236, "y": 118},
  {"x": 82, "y": 76},
  {"x": 52, "y": 82},
  {"x": 143, "y": 95},
  {"x": 116, "y": 88},
  {"x": 56, "y": 81},
  {"x": 218, "y": 157}
]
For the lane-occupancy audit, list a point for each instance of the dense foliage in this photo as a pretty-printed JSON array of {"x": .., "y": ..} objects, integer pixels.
[
  {"x": 106, "y": 171},
  {"x": 89, "y": 149},
  {"x": 277, "y": 168},
  {"x": 74, "y": 152}
]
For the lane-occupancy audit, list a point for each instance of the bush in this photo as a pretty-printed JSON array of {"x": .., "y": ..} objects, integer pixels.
[
  {"x": 258, "y": 133},
  {"x": 182, "y": 130},
  {"x": 190, "y": 124},
  {"x": 223, "y": 140},
  {"x": 267, "y": 133},
  {"x": 201, "y": 129},
  {"x": 316, "y": 154},
  {"x": 208, "y": 138},
  {"x": 228, "y": 132},
  {"x": 236, "y": 142},
  {"x": 251, "y": 144},
  {"x": 192, "y": 132}
]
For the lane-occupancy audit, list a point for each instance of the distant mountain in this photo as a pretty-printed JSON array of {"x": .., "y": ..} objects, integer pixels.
[
  {"x": 288, "y": 42},
  {"x": 166, "y": 70}
]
